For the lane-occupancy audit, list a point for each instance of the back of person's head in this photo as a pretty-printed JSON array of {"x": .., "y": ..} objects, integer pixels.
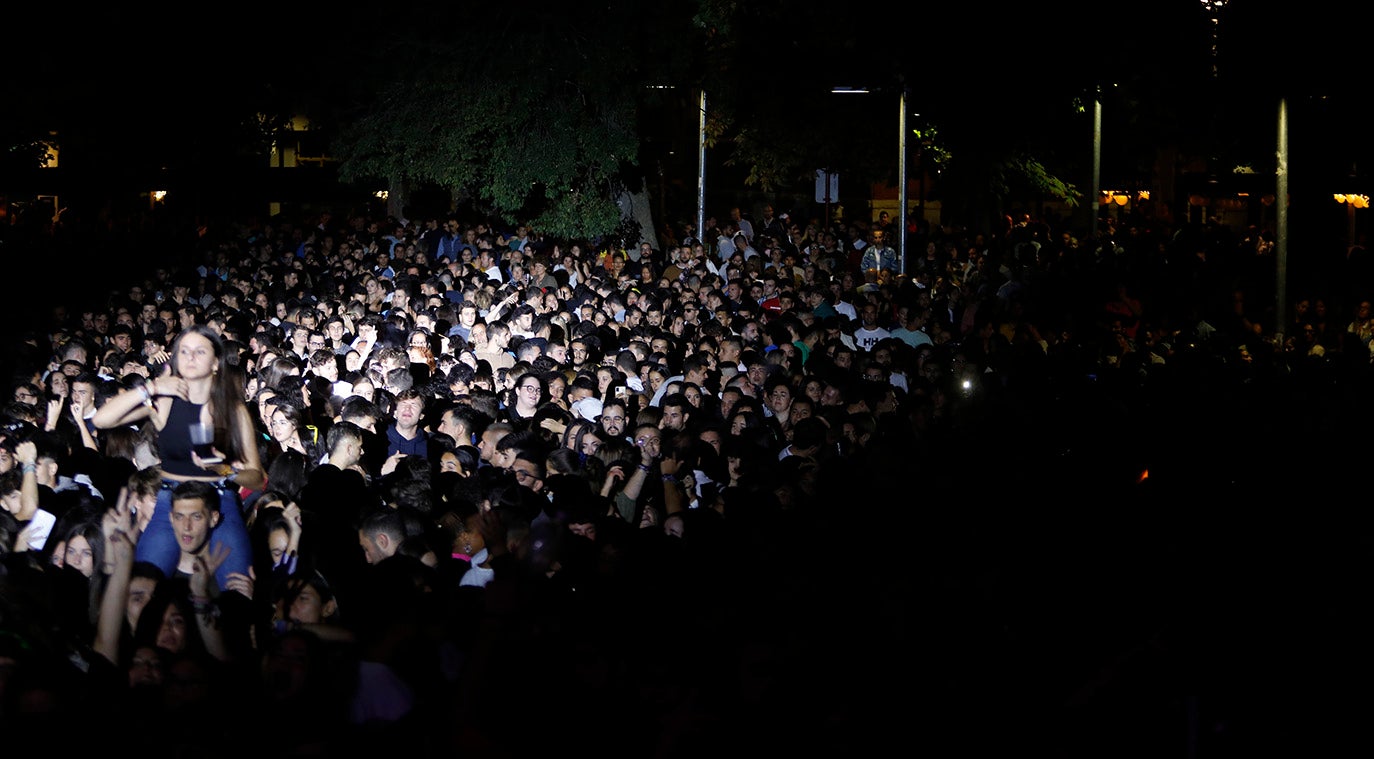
[
  {"x": 399, "y": 380},
  {"x": 649, "y": 416},
  {"x": 390, "y": 354},
  {"x": 341, "y": 432},
  {"x": 525, "y": 442},
  {"x": 461, "y": 373},
  {"x": 74, "y": 349},
  {"x": 809, "y": 433},
  {"x": 411, "y": 491},
  {"x": 120, "y": 442},
  {"x": 144, "y": 482},
  {"x": 565, "y": 460},
  {"x": 549, "y": 412},
  {"x": 358, "y": 409},
  {"x": 289, "y": 471},
  {"x": 544, "y": 364},
  {"x": 516, "y": 506},
  {"x": 474, "y": 420},
  {"x": 50, "y": 445},
  {"x": 279, "y": 372},
  {"x": 487, "y": 402},
  {"x": 384, "y": 520}
]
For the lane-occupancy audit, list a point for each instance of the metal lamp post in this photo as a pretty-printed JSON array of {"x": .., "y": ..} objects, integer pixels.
[
  {"x": 901, "y": 167},
  {"x": 901, "y": 181},
  {"x": 701, "y": 166}
]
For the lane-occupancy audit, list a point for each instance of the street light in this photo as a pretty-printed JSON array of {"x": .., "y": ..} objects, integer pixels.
[
  {"x": 1351, "y": 201},
  {"x": 901, "y": 167}
]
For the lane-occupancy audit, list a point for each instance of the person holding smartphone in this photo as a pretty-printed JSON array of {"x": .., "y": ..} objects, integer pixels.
[{"x": 198, "y": 386}]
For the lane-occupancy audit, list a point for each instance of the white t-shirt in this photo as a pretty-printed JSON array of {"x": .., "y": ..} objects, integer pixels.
[{"x": 865, "y": 338}]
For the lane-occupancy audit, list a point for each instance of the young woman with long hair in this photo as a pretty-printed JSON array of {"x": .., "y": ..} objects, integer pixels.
[{"x": 198, "y": 386}]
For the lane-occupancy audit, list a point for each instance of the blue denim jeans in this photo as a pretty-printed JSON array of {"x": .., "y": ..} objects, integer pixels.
[{"x": 158, "y": 544}]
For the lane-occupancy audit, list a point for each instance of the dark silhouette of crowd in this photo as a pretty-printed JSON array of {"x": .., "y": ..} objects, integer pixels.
[{"x": 334, "y": 484}]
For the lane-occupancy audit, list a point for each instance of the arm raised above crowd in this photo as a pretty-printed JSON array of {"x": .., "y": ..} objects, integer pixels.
[{"x": 128, "y": 406}]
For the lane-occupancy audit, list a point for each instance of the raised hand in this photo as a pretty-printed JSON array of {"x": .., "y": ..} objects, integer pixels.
[
  {"x": 54, "y": 412},
  {"x": 166, "y": 384},
  {"x": 294, "y": 521},
  {"x": 207, "y": 563},
  {"x": 669, "y": 464},
  {"x": 120, "y": 546},
  {"x": 242, "y": 583},
  {"x": 25, "y": 536},
  {"x": 26, "y": 453},
  {"x": 119, "y": 518}
]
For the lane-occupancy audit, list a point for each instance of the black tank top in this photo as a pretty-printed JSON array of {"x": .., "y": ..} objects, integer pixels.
[{"x": 174, "y": 440}]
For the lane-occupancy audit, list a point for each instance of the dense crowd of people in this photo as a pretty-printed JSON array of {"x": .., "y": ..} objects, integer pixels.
[{"x": 440, "y": 485}]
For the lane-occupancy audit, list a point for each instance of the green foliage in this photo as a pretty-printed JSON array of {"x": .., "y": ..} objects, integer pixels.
[
  {"x": 933, "y": 152},
  {"x": 551, "y": 154},
  {"x": 533, "y": 118},
  {"x": 1040, "y": 180},
  {"x": 769, "y": 164},
  {"x": 538, "y": 118}
]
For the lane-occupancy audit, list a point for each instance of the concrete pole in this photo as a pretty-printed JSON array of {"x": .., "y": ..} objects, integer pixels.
[
  {"x": 901, "y": 182},
  {"x": 1095, "y": 193},
  {"x": 1281, "y": 224}
]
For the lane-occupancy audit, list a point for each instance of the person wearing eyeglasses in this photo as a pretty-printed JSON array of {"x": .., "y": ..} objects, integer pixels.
[
  {"x": 28, "y": 393},
  {"x": 526, "y": 396}
]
